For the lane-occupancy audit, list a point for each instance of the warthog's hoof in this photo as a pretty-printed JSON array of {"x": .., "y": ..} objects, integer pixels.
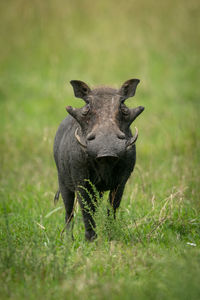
[{"x": 90, "y": 236}]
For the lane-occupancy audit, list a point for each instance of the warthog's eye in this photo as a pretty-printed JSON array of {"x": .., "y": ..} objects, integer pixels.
[
  {"x": 124, "y": 109},
  {"x": 85, "y": 110}
]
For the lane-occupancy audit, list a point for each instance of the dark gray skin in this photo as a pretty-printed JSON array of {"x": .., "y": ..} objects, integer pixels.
[{"x": 95, "y": 143}]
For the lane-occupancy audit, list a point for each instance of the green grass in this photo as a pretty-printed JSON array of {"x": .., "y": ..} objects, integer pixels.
[{"x": 153, "y": 250}]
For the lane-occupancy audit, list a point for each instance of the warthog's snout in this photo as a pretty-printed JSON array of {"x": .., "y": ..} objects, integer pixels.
[{"x": 107, "y": 159}]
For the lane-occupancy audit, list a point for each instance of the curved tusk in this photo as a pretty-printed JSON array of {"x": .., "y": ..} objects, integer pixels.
[
  {"x": 79, "y": 139},
  {"x": 133, "y": 139}
]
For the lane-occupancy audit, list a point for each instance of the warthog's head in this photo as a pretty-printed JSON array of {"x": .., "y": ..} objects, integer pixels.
[{"x": 105, "y": 119}]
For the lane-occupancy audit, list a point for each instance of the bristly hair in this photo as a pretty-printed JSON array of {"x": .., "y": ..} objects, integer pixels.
[{"x": 103, "y": 90}]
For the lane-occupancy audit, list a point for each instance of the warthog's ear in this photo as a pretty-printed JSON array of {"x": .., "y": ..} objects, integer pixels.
[
  {"x": 81, "y": 89},
  {"x": 128, "y": 89}
]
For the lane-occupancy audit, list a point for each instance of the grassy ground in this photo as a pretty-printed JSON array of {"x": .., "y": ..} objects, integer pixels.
[{"x": 153, "y": 250}]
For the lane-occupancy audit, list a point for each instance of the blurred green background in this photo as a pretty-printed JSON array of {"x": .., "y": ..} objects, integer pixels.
[{"x": 44, "y": 45}]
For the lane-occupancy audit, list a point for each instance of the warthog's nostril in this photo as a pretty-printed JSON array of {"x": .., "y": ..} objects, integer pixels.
[{"x": 90, "y": 136}]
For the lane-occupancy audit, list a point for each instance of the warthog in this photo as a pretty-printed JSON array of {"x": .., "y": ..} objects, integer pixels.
[{"x": 94, "y": 144}]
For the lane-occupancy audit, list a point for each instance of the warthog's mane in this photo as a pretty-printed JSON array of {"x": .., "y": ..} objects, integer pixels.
[{"x": 104, "y": 90}]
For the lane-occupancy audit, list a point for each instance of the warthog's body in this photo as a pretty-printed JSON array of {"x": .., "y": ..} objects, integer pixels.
[{"x": 95, "y": 143}]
